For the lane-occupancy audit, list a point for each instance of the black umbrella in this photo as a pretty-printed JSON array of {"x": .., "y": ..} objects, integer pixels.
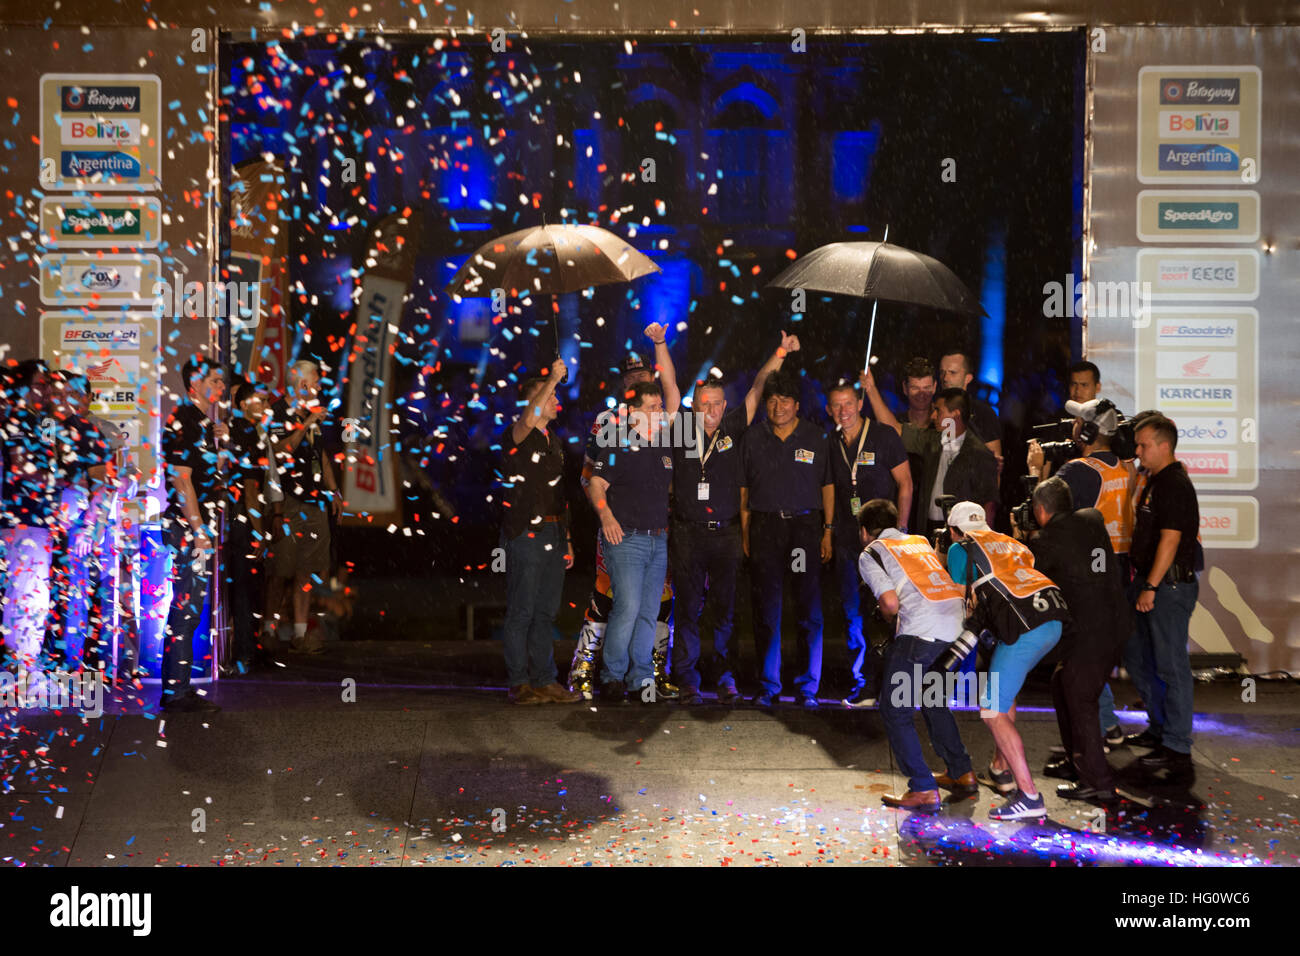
[
  {"x": 879, "y": 271},
  {"x": 550, "y": 260}
]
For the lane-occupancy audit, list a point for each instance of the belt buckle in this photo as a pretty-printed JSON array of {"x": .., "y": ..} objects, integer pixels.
[
  {"x": 713, "y": 525},
  {"x": 786, "y": 514}
]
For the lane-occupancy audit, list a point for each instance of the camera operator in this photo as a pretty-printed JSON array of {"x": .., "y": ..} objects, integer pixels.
[
  {"x": 1166, "y": 559},
  {"x": 1073, "y": 549},
  {"x": 908, "y": 580},
  {"x": 1025, "y": 611}
]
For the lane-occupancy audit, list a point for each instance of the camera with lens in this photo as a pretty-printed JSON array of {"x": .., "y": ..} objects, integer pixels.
[
  {"x": 1057, "y": 441},
  {"x": 1023, "y": 513},
  {"x": 946, "y": 504}
]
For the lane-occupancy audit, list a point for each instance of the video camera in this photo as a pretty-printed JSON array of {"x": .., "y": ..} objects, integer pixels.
[{"x": 1057, "y": 438}]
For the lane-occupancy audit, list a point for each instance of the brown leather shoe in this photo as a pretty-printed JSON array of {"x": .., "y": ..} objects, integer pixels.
[
  {"x": 927, "y": 800},
  {"x": 554, "y": 693},
  {"x": 524, "y": 694},
  {"x": 964, "y": 786}
]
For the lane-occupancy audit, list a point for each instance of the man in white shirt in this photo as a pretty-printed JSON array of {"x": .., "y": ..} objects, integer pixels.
[{"x": 910, "y": 583}]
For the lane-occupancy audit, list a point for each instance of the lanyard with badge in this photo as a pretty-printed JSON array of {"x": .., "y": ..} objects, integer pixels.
[
  {"x": 702, "y": 489},
  {"x": 855, "y": 503}
]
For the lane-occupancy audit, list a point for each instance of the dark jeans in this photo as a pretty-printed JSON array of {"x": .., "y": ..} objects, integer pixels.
[
  {"x": 904, "y": 656},
  {"x": 189, "y": 591},
  {"x": 1158, "y": 664},
  {"x": 246, "y": 586},
  {"x": 534, "y": 585},
  {"x": 864, "y": 662},
  {"x": 1077, "y": 685},
  {"x": 704, "y": 564},
  {"x": 776, "y": 546}
]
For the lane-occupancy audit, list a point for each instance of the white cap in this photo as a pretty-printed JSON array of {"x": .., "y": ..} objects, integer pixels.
[
  {"x": 968, "y": 516},
  {"x": 1107, "y": 422}
]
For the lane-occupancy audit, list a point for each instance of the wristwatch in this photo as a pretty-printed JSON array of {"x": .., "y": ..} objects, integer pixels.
[
  {"x": 1148, "y": 586},
  {"x": 828, "y": 527}
]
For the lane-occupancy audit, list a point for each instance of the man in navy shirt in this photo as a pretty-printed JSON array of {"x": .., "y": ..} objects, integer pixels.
[
  {"x": 867, "y": 462},
  {"x": 704, "y": 547},
  {"x": 629, "y": 487},
  {"x": 788, "y": 492}
]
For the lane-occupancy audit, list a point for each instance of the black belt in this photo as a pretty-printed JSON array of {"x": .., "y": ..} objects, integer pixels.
[
  {"x": 709, "y": 525},
  {"x": 786, "y": 514},
  {"x": 1177, "y": 574}
]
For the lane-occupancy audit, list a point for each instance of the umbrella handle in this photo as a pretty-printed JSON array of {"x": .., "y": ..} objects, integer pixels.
[{"x": 866, "y": 367}]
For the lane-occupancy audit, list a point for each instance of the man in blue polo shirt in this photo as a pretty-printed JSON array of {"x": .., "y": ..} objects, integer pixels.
[
  {"x": 629, "y": 489},
  {"x": 704, "y": 547},
  {"x": 787, "y": 498},
  {"x": 867, "y": 462}
]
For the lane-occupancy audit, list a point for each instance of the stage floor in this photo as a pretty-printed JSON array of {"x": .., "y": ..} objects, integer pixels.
[{"x": 425, "y": 770}]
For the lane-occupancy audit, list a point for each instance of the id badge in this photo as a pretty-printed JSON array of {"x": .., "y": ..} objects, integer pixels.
[
  {"x": 855, "y": 505},
  {"x": 702, "y": 491},
  {"x": 316, "y": 472}
]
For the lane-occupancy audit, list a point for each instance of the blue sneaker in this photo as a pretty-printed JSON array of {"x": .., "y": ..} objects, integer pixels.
[{"x": 1020, "y": 807}]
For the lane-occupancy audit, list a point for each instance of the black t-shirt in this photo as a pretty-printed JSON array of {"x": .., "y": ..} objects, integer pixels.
[
  {"x": 881, "y": 451},
  {"x": 786, "y": 475},
  {"x": 188, "y": 442},
  {"x": 640, "y": 478},
  {"x": 251, "y": 452},
  {"x": 1085, "y": 482},
  {"x": 533, "y": 476},
  {"x": 33, "y": 470},
  {"x": 301, "y": 468},
  {"x": 721, "y": 471},
  {"x": 1168, "y": 501},
  {"x": 984, "y": 420}
]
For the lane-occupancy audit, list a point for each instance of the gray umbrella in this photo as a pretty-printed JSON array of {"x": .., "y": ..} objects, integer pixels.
[
  {"x": 550, "y": 260},
  {"x": 879, "y": 271}
]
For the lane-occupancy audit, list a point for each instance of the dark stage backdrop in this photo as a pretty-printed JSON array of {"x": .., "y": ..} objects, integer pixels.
[{"x": 968, "y": 148}]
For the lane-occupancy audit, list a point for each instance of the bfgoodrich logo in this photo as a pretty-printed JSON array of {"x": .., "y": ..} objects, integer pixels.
[{"x": 77, "y": 909}]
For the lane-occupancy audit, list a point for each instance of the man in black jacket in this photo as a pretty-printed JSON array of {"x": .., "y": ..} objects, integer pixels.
[{"x": 1073, "y": 549}]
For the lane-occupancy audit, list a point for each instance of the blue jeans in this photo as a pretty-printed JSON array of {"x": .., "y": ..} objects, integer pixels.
[
  {"x": 1106, "y": 705},
  {"x": 897, "y": 694},
  {"x": 1158, "y": 664},
  {"x": 636, "y": 567},
  {"x": 189, "y": 591},
  {"x": 534, "y": 586}
]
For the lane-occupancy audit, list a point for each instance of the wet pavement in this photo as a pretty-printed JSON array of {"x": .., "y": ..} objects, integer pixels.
[{"x": 422, "y": 768}]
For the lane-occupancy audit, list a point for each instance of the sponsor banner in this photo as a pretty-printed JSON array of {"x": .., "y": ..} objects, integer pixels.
[
  {"x": 1186, "y": 366},
  {"x": 118, "y": 352},
  {"x": 100, "y": 131},
  {"x": 1223, "y": 274},
  {"x": 97, "y": 280},
  {"x": 1199, "y": 124},
  {"x": 1228, "y": 521},
  {"x": 1200, "y": 366},
  {"x": 1209, "y": 215},
  {"x": 1178, "y": 330},
  {"x": 1194, "y": 431},
  {"x": 1221, "y": 463},
  {"x": 115, "y": 221},
  {"x": 370, "y": 472}
]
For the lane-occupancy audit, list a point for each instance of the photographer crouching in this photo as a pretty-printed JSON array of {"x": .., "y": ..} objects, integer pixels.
[{"x": 1073, "y": 548}]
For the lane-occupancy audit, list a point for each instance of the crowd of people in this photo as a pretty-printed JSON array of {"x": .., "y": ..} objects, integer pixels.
[
  {"x": 1099, "y": 566},
  {"x": 257, "y": 479}
]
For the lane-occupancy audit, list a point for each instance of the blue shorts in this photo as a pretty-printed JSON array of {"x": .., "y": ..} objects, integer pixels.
[{"x": 1012, "y": 663}]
